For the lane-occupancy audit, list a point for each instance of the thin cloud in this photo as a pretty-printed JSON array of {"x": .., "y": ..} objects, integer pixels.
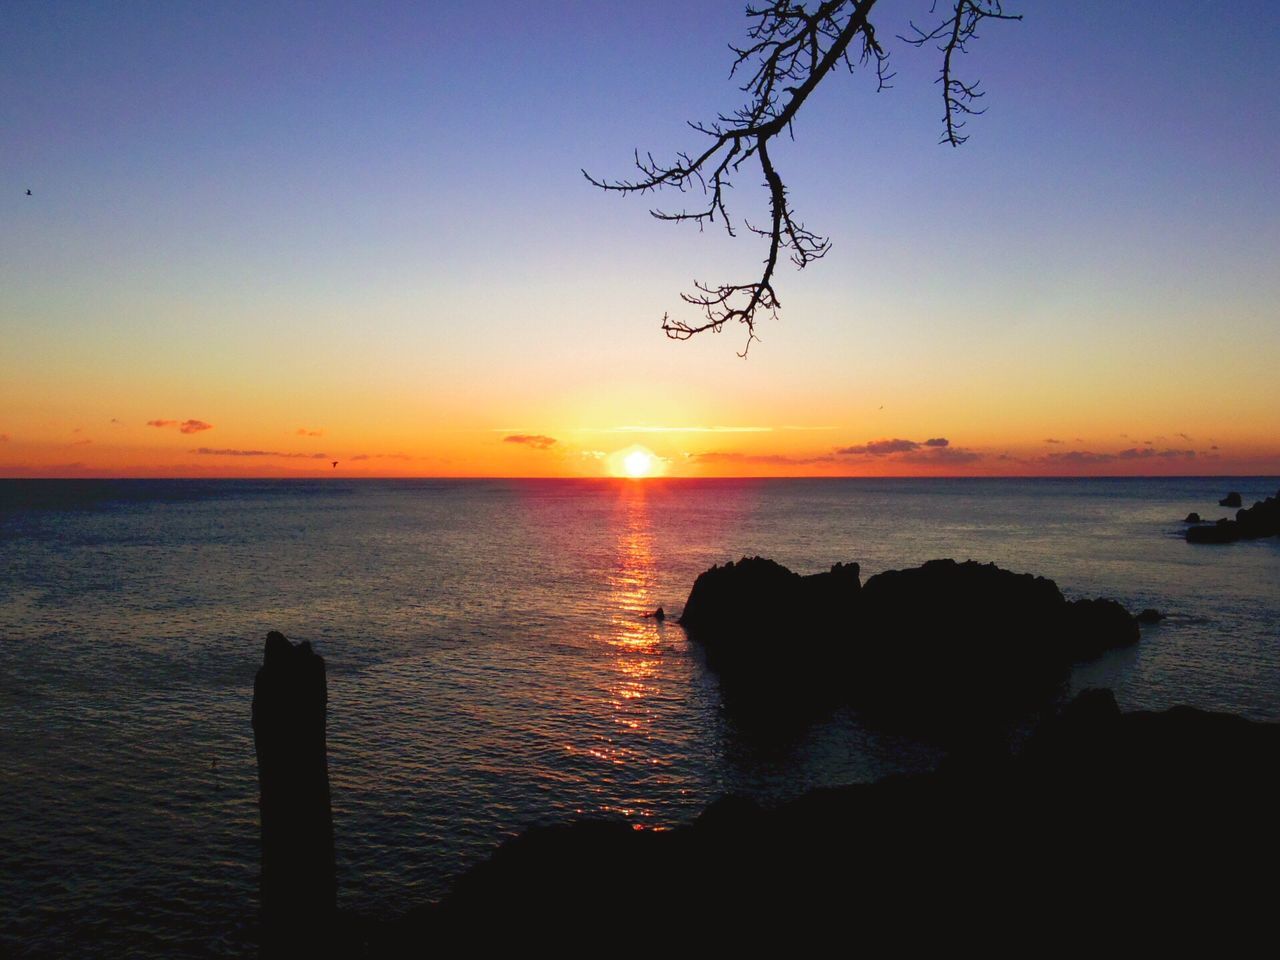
[
  {"x": 937, "y": 442},
  {"x": 1132, "y": 453},
  {"x": 1051, "y": 440},
  {"x": 536, "y": 441},
  {"x": 226, "y": 452},
  {"x": 636, "y": 428},
  {"x": 304, "y": 432},
  {"x": 773, "y": 459},
  {"x": 184, "y": 426},
  {"x": 382, "y": 456},
  {"x": 880, "y": 448},
  {"x": 942, "y": 455}
]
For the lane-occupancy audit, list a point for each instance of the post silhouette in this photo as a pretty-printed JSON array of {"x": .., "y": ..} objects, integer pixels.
[{"x": 298, "y": 883}]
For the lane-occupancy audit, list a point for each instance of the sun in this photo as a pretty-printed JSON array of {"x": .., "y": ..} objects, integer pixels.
[{"x": 638, "y": 463}]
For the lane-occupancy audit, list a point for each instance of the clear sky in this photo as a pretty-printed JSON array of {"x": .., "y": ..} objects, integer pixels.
[{"x": 266, "y": 236}]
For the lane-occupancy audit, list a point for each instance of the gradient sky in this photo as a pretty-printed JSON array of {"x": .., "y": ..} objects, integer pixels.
[{"x": 291, "y": 233}]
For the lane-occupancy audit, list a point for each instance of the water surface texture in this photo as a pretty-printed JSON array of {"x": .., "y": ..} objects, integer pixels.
[{"x": 489, "y": 664}]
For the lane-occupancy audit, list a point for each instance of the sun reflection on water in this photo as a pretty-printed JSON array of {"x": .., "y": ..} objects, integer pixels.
[{"x": 635, "y": 645}]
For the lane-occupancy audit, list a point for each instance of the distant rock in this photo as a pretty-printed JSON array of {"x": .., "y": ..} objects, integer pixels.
[
  {"x": 1150, "y": 615},
  {"x": 1260, "y": 520},
  {"x": 941, "y": 637},
  {"x": 1231, "y": 500},
  {"x": 1192, "y": 517}
]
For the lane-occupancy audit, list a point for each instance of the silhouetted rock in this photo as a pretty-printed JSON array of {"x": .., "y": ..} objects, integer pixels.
[
  {"x": 1260, "y": 520},
  {"x": 941, "y": 637},
  {"x": 1122, "y": 811},
  {"x": 1232, "y": 499},
  {"x": 737, "y": 612},
  {"x": 1192, "y": 517},
  {"x": 298, "y": 886},
  {"x": 1150, "y": 615}
]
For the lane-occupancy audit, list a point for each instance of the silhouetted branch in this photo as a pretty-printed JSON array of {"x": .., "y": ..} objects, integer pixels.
[{"x": 790, "y": 51}]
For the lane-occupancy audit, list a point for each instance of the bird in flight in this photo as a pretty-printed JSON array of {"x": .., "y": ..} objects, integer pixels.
[
  {"x": 335, "y": 464},
  {"x": 28, "y": 191}
]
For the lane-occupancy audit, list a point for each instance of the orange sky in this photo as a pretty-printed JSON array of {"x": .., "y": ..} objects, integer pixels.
[{"x": 321, "y": 246}]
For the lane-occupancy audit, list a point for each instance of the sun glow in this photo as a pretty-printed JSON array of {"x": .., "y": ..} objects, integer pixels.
[{"x": 638, "y": 463}]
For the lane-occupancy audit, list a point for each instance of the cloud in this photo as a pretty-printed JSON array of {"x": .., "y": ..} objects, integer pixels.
[
  {"x": 186, "y": 426},
  {"x": 880, "y": 448},
  {"x": 211, "y": 452},
  {"x": 382, "y": 456},
  {"x": 304, "y": 432},
  {"x": 1051, "y": 440},
  {"x": 942, "y": 455},
  {"x": 636, "y": 428},
  {"x": 535, "y": 440},
  {"x": 1132, "y": 453},
  {"x": 776, "y": 459},
  {"x": 937, "y": 442},
  {"x": 1186, "y": 438}
]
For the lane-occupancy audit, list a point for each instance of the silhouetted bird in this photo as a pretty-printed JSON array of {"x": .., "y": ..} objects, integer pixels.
[
  {"x": 335, "y": 464},
  {"x": 28, "y": 193}
]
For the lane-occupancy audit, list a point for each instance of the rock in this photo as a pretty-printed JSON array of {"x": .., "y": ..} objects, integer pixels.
[
  {"x": 298, "y": 876},
  {"x": 1232, "y": 499},
  {"x": 942, "y": 637},
  {"x": 1260, "y": 520},
  {"x": 748, "y": 601},
  {"x": 1192, "y": 518},
  {"x": 659, "y": 615},
  {"x": 1187, "y": 796},
  {"x": 1150, "y": 615}
]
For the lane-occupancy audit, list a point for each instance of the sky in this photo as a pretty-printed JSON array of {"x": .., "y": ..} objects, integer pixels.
[{"x": 264, "y": 237}]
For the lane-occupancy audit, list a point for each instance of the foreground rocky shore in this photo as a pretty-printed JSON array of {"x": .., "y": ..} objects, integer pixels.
[
  {"x": 1101, "y": 813},
  {"x": 1100, "y": 818}
]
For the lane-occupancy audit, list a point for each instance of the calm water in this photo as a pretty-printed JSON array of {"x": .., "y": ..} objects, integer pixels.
[{"x": 488, "y": 664}]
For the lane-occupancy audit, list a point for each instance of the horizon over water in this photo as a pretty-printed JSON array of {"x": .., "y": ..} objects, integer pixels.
[{"x": 489, "y": 664}]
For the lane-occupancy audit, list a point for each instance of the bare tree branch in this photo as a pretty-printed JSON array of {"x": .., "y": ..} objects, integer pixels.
[{"x": 790, "y": 50}]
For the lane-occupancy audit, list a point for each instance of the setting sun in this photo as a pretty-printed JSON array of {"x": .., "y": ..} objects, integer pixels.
[{"x": 638, "y": 463}]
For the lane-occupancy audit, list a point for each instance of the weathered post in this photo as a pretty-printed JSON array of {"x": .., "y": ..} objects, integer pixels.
[{"x": 298, "y": 885}]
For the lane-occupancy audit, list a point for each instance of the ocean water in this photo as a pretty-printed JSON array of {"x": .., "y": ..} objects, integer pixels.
[{"x": 489, "y": 664}]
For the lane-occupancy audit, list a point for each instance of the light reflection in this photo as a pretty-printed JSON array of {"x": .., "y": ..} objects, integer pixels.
[{"x": 636, "y": 641}]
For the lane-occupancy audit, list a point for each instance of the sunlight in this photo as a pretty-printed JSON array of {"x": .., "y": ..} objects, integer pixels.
[
  {"x": 635, "y": 462},
  {"x": 638, "y": 463}
]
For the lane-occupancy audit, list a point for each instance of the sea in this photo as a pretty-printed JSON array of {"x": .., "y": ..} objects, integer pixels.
[{"x": 490, "y": 665}]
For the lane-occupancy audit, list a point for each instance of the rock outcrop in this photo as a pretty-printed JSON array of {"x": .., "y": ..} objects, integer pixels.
[
  {"x": 298, "y": 877},
  {"x": 1232, "y": 499},
  {"x": 941, "y": 636},
  {"x": 1260, "y": 520}
]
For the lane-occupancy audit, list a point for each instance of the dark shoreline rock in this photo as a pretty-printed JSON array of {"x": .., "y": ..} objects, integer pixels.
[
  {"x": 1232, "y": 499},
  {"x": 944, "y": 638},
  {"x": 1259, "y": 521},
  {"x": 1192, "y": 517},
  {"x": 1164, "y": 808}
]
